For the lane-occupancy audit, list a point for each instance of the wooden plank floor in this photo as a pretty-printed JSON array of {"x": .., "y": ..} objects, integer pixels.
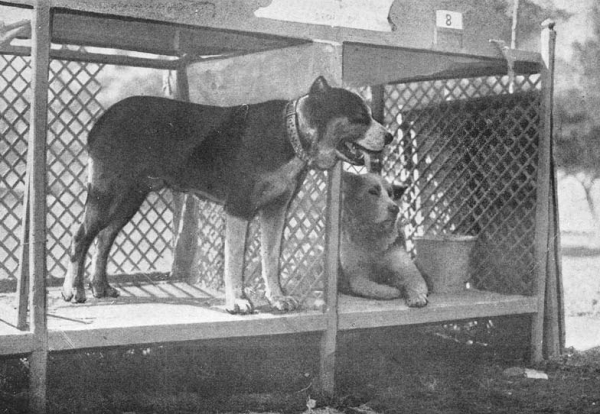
[{"x": 177, "y": 311}]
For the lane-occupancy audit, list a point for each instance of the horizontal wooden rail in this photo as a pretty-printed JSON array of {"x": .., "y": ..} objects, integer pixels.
[
  {"x": 176, "y": 312},
  {"x": 100, "y": 58}
]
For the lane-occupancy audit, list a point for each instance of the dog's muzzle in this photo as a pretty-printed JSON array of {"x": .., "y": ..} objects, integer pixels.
[{"x": 367, "y": 149}]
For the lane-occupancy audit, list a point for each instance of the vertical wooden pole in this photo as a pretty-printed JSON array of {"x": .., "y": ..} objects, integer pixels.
[
  {"x": 36, "y": 164},
  {"x": 554, "y": 319},
  {"x": 332, "y": 243},
  {"x": 185, "y": 244},
  {"x": 515, "y": 25},
  {"x": 543, "y": 191},
  {"x": 378, "y": 104},
  {"x": 332, "y": 250},
  {"x": 23, "y": 272},
  {"x": 378, "y": 109}
]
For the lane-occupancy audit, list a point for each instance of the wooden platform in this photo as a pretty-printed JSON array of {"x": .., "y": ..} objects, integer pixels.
[{"x": 178, "y": 311}]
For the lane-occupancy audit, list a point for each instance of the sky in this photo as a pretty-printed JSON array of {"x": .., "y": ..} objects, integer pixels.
[{"x": 578, "y": 28}]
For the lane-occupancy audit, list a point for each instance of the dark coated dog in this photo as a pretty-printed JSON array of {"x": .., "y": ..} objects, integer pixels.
[
  {"x": 251, "y": 158},
  {"x": 374, "y": 263}
]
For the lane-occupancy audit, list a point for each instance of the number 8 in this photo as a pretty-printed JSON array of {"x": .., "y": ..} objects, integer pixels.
[{"x": 448, "y": 20}]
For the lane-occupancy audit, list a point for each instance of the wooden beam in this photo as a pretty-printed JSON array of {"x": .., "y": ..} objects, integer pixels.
[
  {"x": 101, "y": 58},
  {"x": 186, "y": 214},
  {"x": 374, "y": 65},
  {"x": 85, "y": 337},
  {"x": 16, "y": 343},
  {"x": 542, "y": 216},
  {"x": 23, "y": 271},
  {"x": 359, "y": 313},
  {"x": 554, "y": 315},
  {"x": 332, "y": 246},
  {"x": 36, "y": 172}
]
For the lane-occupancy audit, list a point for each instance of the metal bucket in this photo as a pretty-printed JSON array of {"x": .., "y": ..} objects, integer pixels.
[{"x": 444, "y": 259}]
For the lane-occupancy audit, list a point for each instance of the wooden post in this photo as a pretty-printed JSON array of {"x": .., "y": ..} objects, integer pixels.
[
  {"x": 332, "y": 247},
  {"x": 23, "y": 272},
  {"x": 36, "y": 164},
  {"x": 543, "y": 192},
  {"x": 554, "y": 315},
  {"x": 185, "y": 217},
  {"x": 378, "y": 109}
]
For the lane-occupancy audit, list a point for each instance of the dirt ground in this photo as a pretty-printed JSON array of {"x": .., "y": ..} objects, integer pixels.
[{"x": 399, "y": 370}]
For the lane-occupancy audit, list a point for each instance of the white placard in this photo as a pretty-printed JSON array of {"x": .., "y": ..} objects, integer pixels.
[
  {"x": 356, "y": 14},
  {"x": 448, "y": 19}
]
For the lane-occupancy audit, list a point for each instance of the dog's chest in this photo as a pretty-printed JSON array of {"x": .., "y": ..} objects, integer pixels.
[{"x": 281, "y": 182}]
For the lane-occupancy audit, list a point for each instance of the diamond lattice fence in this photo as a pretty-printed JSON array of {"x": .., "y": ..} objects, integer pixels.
[
  {"x": 468, "y": 149},
  {"x": 302, "y": 256},
  {"x": 143, "y": 245}
]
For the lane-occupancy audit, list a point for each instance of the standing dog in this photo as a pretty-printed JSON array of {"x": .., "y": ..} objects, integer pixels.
[
  {"x": 251, "y": 158},
  {"x": 374, "y": 263}
]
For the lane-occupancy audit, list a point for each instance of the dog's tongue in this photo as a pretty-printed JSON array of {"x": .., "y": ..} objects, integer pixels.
[
  {"x": 373, "y": 162},
  {"x": 367, "y": 160}
]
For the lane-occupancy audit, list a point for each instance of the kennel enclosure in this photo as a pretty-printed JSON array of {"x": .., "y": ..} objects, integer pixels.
[{"x": 472, "y": 125}]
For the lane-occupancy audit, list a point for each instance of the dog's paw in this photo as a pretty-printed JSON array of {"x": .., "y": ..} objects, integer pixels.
[
  {"x": 416, "y": 300},
  {"x": 77, "y": 295},
  {"x": 104, "y": 291},
  {"x": 66, "y": 294},
  {"x": 284, "y": 303},
  {"x": 240, "y": 306}
]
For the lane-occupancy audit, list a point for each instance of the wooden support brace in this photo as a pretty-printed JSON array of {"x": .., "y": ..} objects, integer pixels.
[
  {"x": 11, "y": 31},
  {"x": 543, "y": 193},
  {"x": 332, "y": 246},
  {"x": 36, "y": 164},
  {"x": 23, "y": 271},
  {"x": 378, "y": 109},
  {"x": 185, "y": 206}
]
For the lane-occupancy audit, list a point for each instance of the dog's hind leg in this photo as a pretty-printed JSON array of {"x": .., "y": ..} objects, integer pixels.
[
  {"x": 73, "y": 283},
  {"x": 272, "y": 223},
  {"x": 86, "y": 233},
  {"x": 236, "y": 230},
  {"x": 122, "y": 209}
]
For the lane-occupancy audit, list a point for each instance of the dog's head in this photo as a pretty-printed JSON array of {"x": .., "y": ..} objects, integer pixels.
[
  {"x": 370, "y": 205},
  {"x": 341, "y": 126}
]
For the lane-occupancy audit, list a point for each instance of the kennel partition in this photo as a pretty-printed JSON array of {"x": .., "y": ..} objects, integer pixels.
[{"x": 448, "y": 95}]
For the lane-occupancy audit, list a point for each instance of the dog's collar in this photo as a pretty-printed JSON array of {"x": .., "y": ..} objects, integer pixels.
[{"x": 291, "y": 126}]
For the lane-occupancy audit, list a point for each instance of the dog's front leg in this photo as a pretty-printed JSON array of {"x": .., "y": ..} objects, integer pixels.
[
  {"x": 236, "y": 230},
  {"x": 272, "y": 222}
]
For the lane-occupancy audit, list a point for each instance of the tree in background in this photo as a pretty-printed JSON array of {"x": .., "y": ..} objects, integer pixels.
[{"x": 577, "y": 117}]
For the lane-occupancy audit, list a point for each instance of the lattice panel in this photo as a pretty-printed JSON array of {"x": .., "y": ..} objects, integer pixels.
[
  {"x": 143, "y": 245},
  {"x": 14, "y": 127},
  {"x": 468, "y": 150},
  {"x": 302, "y": 264}
]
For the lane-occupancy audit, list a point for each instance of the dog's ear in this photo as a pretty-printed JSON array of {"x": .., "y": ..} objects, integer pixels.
[
  {"x": 398, "y": 190},
  {"x": 320, "y": 85},
  {"x": 349, "y": 182}
]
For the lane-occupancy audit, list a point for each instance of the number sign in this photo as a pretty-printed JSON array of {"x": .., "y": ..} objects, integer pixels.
[{"x": 448, "y": 19}]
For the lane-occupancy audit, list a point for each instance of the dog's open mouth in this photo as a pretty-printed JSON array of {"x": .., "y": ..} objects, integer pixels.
[{"x": 355, "y": 154}]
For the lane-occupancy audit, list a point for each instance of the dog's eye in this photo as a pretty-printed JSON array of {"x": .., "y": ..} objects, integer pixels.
[{"x": 374, "y": 191}]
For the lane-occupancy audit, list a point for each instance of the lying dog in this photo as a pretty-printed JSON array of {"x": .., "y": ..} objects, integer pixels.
[
  {"x": 251, "y": 158},
  {"x": 374, "y": 263}
]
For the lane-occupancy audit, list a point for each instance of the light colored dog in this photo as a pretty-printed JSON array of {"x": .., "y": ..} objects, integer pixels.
[{"x": 374, "y": 262}]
